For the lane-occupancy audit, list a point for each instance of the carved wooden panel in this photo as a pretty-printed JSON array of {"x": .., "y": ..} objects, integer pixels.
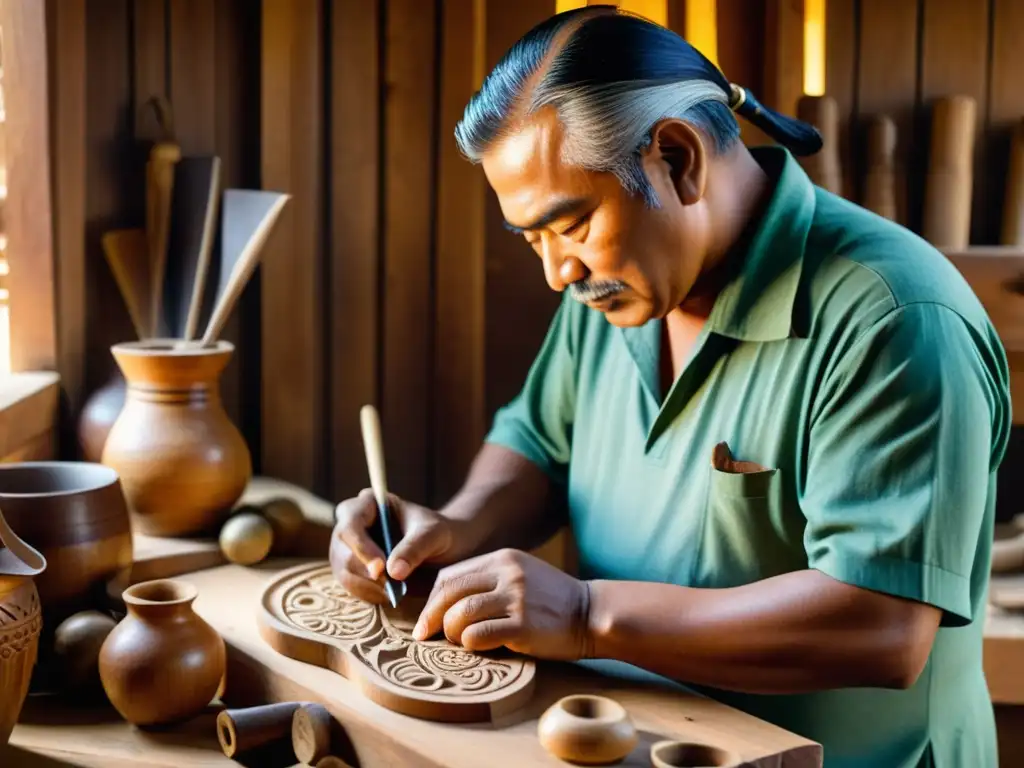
[{"x": 306, "y": 615}]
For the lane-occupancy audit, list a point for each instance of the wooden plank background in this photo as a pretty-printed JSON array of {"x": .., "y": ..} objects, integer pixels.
[{"x": 390, "y": 278}]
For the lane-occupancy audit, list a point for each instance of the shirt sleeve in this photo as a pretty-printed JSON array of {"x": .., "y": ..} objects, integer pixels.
[
  {"x": 537, "y": 423},
  {"x": 906, "y": 435}
]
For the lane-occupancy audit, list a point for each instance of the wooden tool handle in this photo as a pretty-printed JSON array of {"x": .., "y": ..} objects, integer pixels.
[
  {"x": 1013, "y": 201},
  {"x": 240, "y": 731},
  {"x": 880, "y": 183},
  {"x": 824, "y": 167},
  {"x": 160, "y": 169},
  {"x": 948, "y": 189},
  {"x": 373, "y": 443}
]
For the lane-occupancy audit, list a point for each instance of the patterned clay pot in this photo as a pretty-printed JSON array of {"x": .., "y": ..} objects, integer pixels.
[
  {"x": 20, "y": 624},
  {"x": 162, "y": 663}
]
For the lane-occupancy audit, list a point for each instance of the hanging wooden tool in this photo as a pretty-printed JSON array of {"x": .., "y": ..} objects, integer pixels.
[
  {"x": 950, "y": 181},
  {"x": 127, "y": 254},
  {"x": 163, "y": 157},
  {"x": 824, "y": 167},
  {"x": 880, "y": 182},
  {"x": 1013, "y": 200}
]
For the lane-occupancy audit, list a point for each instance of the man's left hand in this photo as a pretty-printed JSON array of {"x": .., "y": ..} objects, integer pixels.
[{"x": 509, "y": 598}]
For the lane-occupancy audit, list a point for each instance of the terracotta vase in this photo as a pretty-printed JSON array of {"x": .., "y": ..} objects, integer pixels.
[
  {"x": 20, "y": 624},
  {"x": 162, "y": 663},
  {"x": 98, "y": 415},
  {"x": 183, "y": 463}
]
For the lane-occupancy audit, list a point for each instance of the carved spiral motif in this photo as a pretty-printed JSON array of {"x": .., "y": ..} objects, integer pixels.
[
  {"x": 20, "y": 622},
  {"x": 320, "y": 605}
]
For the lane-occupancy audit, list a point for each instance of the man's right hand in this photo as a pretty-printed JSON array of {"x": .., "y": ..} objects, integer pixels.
[{"x": 358, "y": 563}]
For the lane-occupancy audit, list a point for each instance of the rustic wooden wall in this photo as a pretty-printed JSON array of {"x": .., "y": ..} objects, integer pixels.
[{"x": 389, "y": 278}]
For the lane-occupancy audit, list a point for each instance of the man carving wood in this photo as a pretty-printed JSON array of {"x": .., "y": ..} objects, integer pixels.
[{"x": 771, "y": 418}]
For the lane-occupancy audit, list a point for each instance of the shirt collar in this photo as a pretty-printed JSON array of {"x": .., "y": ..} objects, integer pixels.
[{"x": 757, "y": 305}]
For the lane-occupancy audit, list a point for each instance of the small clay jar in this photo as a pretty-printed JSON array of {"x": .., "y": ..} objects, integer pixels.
[
  {"x": 182, "y": 462},
  {"x": 162, "y": 663},
  {"x": 586, "y": 729},
  {"x": 688, "y": 754}
]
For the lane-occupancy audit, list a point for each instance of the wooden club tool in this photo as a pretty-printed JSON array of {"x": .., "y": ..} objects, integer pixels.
[
  {"x": 824, "y": 167},
  {"x": 384, "y": 528},
  {"x": 880, "y": 183},
  {"x": 950, "y": 181},
  {"x": 1013, "y": 202}
]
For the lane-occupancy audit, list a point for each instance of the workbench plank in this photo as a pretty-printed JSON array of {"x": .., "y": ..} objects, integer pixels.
[{"x": 228, "y": 599}]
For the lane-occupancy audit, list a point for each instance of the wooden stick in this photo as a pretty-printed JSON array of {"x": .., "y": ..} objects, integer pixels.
[
  {"x": 383, "y": 530},
  {"x": 240, "y": 731},
  {"x": 949, "y": 185},
  {"x": 880, "y": 183},
  {"x": 160, "y": 177},
  {"x": 205, "y": 250},
  {"x": 1013, "y": 201},
  {"x": 241, "y": 272},
  {"x": 127, "y": 254}
]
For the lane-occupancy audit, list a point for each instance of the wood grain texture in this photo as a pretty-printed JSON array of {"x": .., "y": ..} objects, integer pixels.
[
  {"x": 409, "y": 149},
  {"x": 292, "y": 351},
  {"x": 193, "y": 81},
  {"x": 27, "y": 207},
  {"x": 354, "y": 230},
  {"x": 954, "y": 57},
  {"x": 1005, "y": 112},
  {"x": 887, "y": 58},
  {"x": 149, "y": 53},
  {"x": 741, "y": 51},
  {"x": 459, "y": 407},
  {"x": 67, "y": 82},
  {"x": 784, "y": 52},
  {"x": 841, "y": 86}
]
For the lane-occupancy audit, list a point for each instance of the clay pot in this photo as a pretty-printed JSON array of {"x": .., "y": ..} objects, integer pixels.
[
  {"x": 98, "y": 415},
  {"x": 686, "y": 754},
  {"x": 182, "y": 462},
  {"x": 20, "y": 624},
  {"x": 162, "y": 663},
  {"x": 74, "y": 513},
  {"x": 586, "y": 729}
]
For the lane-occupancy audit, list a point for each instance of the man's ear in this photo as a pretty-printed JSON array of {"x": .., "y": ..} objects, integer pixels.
[{"x": 677, "y": 149}]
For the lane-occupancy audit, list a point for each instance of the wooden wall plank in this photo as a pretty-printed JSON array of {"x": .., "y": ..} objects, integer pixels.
[
  {"x": 784, "y": 52},
  {"x": 841, "y": 84},
  {"x": 1005, "y": 106},
  {"x": 409, "y": 150},
  {"x": 67, "y": 69},
  {"x": 954, "y": 57},
  {"x": 149, "y": 51},
  {"x": 887, "y": 83},
  {"x": 236, "y": 141},
  {"x": 354, "y": 231},
  {"x": 193, "y": 66},
  {"x": 27, "y": 207},
  {"x": 292, "y": 339},
  {"x": 112, "y": 173},
  {"x": 459, "y": 407}
]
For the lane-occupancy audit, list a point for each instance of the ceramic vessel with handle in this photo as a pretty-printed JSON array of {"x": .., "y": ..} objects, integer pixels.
[
  {"x": 182, "y": 462},
  {"x": 162, "y": 663},
  {"x": 20, "y": 623}
]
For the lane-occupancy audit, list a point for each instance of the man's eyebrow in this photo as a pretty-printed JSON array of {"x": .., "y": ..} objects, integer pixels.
[{"x": 555, "y": 212}]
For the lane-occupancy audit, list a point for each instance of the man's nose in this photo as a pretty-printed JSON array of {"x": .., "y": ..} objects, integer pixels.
[{"x": 562, "y": 269}]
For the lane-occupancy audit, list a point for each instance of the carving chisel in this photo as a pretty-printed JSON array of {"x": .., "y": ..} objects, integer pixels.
[{"x": 385, "y": 527}]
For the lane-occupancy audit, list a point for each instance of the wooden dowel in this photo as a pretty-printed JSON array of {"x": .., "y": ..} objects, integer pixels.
[
  {"x": 880, "y": 182},
  {"x": 948, "y": 189},
  {"x": 1013, "y": 201},
  {"x": 312, "y": 737},
  {"x": 241, "y": 731},
  {"x": 824, "y": 167}
]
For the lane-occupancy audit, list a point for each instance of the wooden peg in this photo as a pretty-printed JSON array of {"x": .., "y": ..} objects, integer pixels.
[
  {"x": 950, "y": 180},
  {"x": 880, "y": 183},
  {"x": 240, "y": 731},
  {"x": 312, "y": 733},
  {"x": 824, "y": 167},
  {"x": 1013, "y": 201}
]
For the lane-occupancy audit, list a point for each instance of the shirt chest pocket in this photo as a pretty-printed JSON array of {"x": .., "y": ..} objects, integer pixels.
[{"x": 748, "y": 533}]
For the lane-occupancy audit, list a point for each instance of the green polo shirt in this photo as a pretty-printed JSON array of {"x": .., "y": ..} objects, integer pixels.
[{"x": 851, "y": 361}]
